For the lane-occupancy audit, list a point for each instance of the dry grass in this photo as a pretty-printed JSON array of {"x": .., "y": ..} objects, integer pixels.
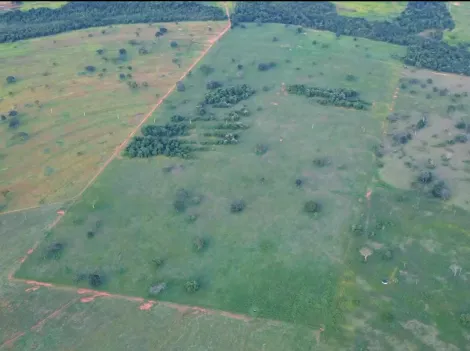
[{"x": 75, "y": 120}]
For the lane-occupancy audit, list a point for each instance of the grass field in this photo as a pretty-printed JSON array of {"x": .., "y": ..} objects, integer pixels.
[
  {"x": 28, "y": 5},
  {"x": 71, "y": 121},
  {"x": 272, "y": 260},
  {"x": 39, "y": 318},
  {"x": 383, "y": 266},
  {"x": 374, "y": 10},
  {"x": 460, "y": 12}
]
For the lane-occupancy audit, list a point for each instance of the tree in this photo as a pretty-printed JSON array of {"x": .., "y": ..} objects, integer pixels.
[
  {"x": 180, "y": 86},
  {"x": 237, "y": 206},
  {"x": 14, "y": 123},
  {"x": 11, "y": 79},
  {"x": 311, "y": 207},
  {"x": 90, "y": 69},
  {"x": 122, "y": 52},
  {"x": 173, "y": 44}
]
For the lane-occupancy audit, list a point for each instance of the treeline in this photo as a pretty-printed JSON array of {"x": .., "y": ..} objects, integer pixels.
[
  {"x": 18, "y": 25},
  {"x": 336, "y": 97},
  {"x": 426, "y": 52}
]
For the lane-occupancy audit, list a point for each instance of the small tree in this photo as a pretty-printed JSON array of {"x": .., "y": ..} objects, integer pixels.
[
  {"x": 14, "y": 123},
  {"x": 173, "y": 44},
  {"x": 191, "y": 286},
  {"x": 10, "y": 79},
  {"x": 237, "y": 206},
  {"x": 90, "y": 69},
  {"x": 180, "y": 86},
  {"x": 311, "y": 207}
]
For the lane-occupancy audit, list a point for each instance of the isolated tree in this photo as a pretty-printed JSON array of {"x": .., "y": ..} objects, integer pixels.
[
  {"x": 122, "y": 52},
  {"x": 10, "y": 79},
  {"x": 173, "y": 44},
  {"x": 180, "y": 86}
]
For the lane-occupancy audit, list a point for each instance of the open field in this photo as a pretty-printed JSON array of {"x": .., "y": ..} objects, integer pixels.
[
  {"x": 71, "y": 120},
  {"x": 40, "y": 318},
  {"x": 272, "y": 260},
  {"x": 382, "y": 263},
  {"x": 374, "y": 10},
  {"x": 460, "y": 12},
  {"x": 28, "y": 5}
]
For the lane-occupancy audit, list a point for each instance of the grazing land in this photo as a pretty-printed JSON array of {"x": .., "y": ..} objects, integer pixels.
[
  {"x": 266, "y": 254},
  {"x": 377, "y": 10},
  {"x": 76, "y": 97},
  {"x": 296, "y": 190}
]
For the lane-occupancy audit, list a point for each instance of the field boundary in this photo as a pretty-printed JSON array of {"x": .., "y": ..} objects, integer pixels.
[{"x": 119, "y": 148}]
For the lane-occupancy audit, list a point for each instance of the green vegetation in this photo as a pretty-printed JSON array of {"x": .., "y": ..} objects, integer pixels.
[
  {"x": 374, "y": 10},
  {"x": 250, "y": 198},
  {"x": 76, "y": 96}
]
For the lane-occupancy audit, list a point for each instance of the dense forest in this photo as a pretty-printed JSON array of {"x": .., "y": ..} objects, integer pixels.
[
  {"x": 17, "y": 25},
  {"x": 426, "y": 52}
]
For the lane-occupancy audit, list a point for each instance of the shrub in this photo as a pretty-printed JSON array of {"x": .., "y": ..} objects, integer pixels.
[
  {"x": 206, "y": 69},
  {"x": 261, "y": 149},
  {"x": 122, "y": 52},
  {"x": 213, "y": 84},
  {"x": 464, "y": 319},
  {"x": 54, "y": 250},
  {"x": 173, "y": 44},
  {"x": 237, "y": 206},
  {"x": 321, "y": 161},
  {"x": 100, "y": 51},
  {"x": 311, "y": 207},
  {"x": 122, "y": 76},
  {"x": 266, "y": 66},
  {"x": 461, "y": 138},
  {"x": 298, "y": 182},
  {"x": 90, "y": 234},
  {"x": 239, "y": 67},
  {"x": 10, "y": 79},
  {"x": 387, "y": 255},
  {"x": 158, "y": 262},
  {"x": 180, "y": 86},
  {"x": 12, "y": 113},
  {"x": 441, "y": 191},
  {"x": 90, "y": 69},
  {"x": 425, "y": 177},
  {"x": 14, "y": 123},
  {"x": 199, "y": 244},
  {"x": 191, "y": 286},
  {"x": 95, "y": 279}
]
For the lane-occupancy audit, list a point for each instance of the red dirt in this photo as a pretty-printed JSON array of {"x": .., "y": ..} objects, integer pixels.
[
  {"x": 146, "y": 306},
  {"x": 9, "y": 343}
]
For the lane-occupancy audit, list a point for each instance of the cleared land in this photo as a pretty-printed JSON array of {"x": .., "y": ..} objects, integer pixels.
[
  {"x": 374, "y": 10},
  {"x": 272, "y": 260},
  {"x": 40, "y": 318},
  {"x": 28, "y": 5},
  {"x": 70, "y": 118}
]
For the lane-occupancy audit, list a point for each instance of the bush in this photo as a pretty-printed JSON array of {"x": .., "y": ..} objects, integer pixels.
[
  {"x": 237, "y": 206},
  {"x": 95, "y": 279},
  {"x": 180, "y": 86},
  {"x": 14, "y": 123},
  {"x": 10, "y": 79},
  {"x": 173, "y": 44},
  {"x": 213, "y": 84},
  {"x": 461, "y": 138},
  {"x": 12, "y": 113},
  {"x": 206, "y": 69},
  {"x": 311, "y": 207},
  {"x": 464, "y": 320},
  {"x": 425, "y": 177},
  {"x": 322, "y": 161},
  {"x": 199, "y": 244},
  {"x": 191, "y": 286},
  {"x": 266, "y": 66},
  {"x": 441, "y": 191},
  {"x": 461, "y": 125},
  {"x": 261, "y": 149},
  {"x": 158, "y": 262},
  {"x": 90, "y": 69},
  {"x": 54, "y": 250},
  {"x": 298, "y": 182},
  {"x": 122, "y": 52}
]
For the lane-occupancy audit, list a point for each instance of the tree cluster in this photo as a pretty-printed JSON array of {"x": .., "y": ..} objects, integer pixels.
[
  {"x": 18, "y": 25},
  {"x": 227, "y": 97},
  {"x": 159, "y": 140},
  {"x": 337, "y": 97},
  {"x": 427, "y": 52}
]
